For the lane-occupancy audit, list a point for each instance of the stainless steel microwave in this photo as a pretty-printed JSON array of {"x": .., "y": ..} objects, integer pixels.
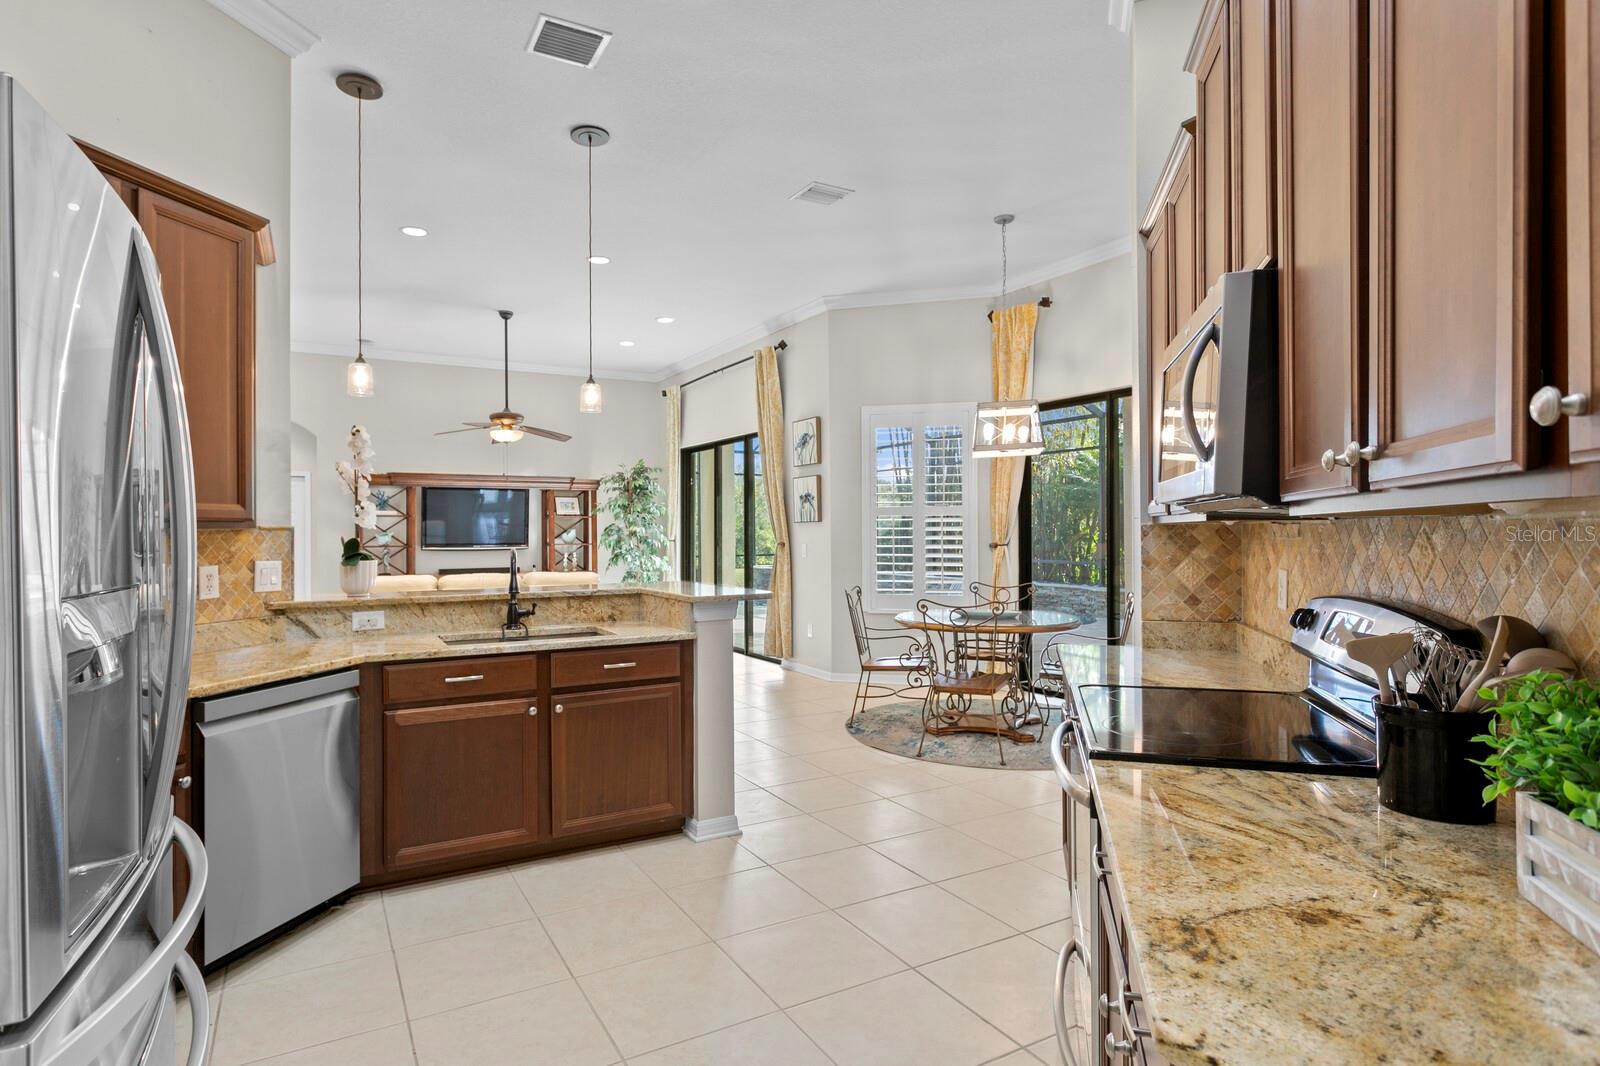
[{"x": 1216, "y": 443}]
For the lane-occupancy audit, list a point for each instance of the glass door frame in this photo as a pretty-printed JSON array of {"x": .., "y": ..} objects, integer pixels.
[
  {"x": 1111, "y": 502},
  {"x": 687, "y": 518}
]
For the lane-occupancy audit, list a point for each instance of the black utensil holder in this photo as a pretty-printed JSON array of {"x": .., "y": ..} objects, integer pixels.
[{"x": 1425, "y": 767}]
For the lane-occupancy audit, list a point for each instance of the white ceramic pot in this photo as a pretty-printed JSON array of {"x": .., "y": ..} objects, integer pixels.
[{"x": 357, "y": 580}]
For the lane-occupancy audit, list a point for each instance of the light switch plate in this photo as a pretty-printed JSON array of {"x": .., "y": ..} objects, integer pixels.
[
  {"x": 366, "y": 621},
  {"x": 1283, "y": 589},
  {"x": 210, "y": 583},
  {"x": 269, "y": 575}
]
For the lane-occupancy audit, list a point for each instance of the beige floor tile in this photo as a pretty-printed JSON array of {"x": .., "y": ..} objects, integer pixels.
[
  {"x": 1047, "y": 1052},
  {"x": 772, "y": 1040},
  {"x": 792, "y": 838},
  {"x": 1051, "y": 863},
  {"x": 849, "y": 760},
  {"x": 185, "y": 1033},
  {"x": 810, "y": 957},
  {"x": 1017, "y": 790},
  {"x": 748, "y": 751},
  {"x": 549, "y": 1026},
  {"x": 740, "y": 902},
  {"x": 1017, "y": 833},
  {"x": 1017, "y": 1058},
  {"x": 381, "y": 1047},
  {"x": 677, "y": 860},
  {"x": 1006, "y": 983},
  {"x": 743, "y": 784},
  {"x": 952, "y": 804},
  {"x": 650, "y": 1004},
  {"x": 440, "y": 975},
  {"x": 621, "y": 931},
  {"x": 891, "y": 781},
  {"x": 770, "y": 730},
  {"x": 940, "y": 853},
  {"x": 351, "y": 931},
  {"x": 460, "y": 905},
  {"x": 825, "y": 721},
  {"x": 1051, "y": 811},
  {"x": 821, "y": 794},
  {"x": 781, "y": 771},
  {"x": 298, "y": 1010},
  {"x": 810, "y": 741},
  {"x": 878, "y": 820},
  {"x": 839, "y": 878},
  {"x": 1053, "y": 936},
  {"x": 903, "y": 1020},
  {"x": 580, "y": 880},
  {"x": 924, "y": 924},
  {"x": 1022, "y": 896},
  {"x": 959, "y": 775},
  {"x": 759, "y": 805}
]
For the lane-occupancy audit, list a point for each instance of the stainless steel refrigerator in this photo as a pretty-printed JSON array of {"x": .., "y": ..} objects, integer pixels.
[{"x": 97, "y": 564}]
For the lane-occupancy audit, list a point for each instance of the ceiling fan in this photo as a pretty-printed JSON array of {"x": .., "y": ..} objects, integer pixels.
[{"x": 505, "y": 426}]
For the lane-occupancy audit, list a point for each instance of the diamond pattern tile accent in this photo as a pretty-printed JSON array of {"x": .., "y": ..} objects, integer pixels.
[
  {"x": 1191, "y": 573},
  {"x": 234, "y": 553}
]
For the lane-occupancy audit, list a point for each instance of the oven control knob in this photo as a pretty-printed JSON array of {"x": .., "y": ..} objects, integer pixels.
[{"x": 1302, "y": 618}]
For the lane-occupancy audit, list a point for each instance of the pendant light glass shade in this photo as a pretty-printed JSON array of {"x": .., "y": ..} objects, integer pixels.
[
  {"x": 358, "y": 378},
  {"x": 1007, "y": 427},
  {"x": 589, "y": 397}
]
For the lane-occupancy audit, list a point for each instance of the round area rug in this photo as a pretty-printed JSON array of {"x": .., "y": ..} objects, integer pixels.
[{"x": 896, "y": 727}]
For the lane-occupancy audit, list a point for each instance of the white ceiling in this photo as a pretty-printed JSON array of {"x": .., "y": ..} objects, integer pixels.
[{"x": 940, "y": 113}]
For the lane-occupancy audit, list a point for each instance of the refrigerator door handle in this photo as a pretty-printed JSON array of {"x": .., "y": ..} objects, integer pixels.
[
  {"x": 88, "y": 1041},
  {"x": 194, "y": 986}
]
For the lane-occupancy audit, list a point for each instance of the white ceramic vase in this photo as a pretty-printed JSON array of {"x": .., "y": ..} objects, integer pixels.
[{"x": 357, "y": 580}]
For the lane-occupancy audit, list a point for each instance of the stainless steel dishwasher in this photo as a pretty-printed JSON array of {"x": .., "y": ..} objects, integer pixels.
[{"x": 281, "y": 801}]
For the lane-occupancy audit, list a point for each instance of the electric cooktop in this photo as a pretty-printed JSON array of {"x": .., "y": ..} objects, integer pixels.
[{"x": 1231, "y": 728}]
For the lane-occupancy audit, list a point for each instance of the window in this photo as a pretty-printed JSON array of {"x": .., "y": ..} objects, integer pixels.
[{"x": 920, "y": 501}]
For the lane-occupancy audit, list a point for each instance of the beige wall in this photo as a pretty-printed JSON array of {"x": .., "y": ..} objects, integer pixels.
[
  {"x": 416, "y": 400},
  {"x": 180, "y": 88}
]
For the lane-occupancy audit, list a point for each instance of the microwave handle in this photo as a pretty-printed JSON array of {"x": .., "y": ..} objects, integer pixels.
[{"x": 1210, "y": 332}]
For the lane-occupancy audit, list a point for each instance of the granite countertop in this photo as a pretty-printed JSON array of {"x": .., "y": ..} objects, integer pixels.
[
  {"x": 214, "y": 672},
  {"x": 1284, "y": 917},
  {"x": 684, "y": 591}
]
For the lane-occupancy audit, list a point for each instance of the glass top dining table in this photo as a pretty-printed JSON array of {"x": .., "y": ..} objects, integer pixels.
[{"x": 1033, "y": 621}]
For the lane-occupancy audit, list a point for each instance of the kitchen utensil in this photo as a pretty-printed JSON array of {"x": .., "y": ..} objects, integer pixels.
[
  {"x": 1380, "y": 653},
  {"x": 1469, "y": 699},
  {"x": 1536, "y": 659},
  {"x": 1441, "y": 667},
  {"x": 1520, "y": 634}
]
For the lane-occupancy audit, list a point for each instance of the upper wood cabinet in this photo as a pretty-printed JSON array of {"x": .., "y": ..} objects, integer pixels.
[
  {"x": 207, "y": 251},
  {"x": 1451, "y": 111},
  {"x": 1580, "y": 99},
  {"x": 1213, "y": 136},
  {"x": 1320, "y": 89},
  {"x": 1168, "y": 229},
  {"x": 1254, "y": 133},
  {"x": 616, "y": 757}
]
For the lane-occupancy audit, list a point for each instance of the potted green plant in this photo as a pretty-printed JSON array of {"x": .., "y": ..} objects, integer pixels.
[
  {"x": 1547, "y": 751},
  {"x": 358, "y": 569},
  {"x": 636, "y": 537}
]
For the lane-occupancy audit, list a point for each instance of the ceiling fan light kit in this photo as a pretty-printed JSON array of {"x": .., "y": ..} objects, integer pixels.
[
  {"x": 506, "y": 426},
  {"x": 359, "y": 379},
  {"x": 589, "y": 138}
]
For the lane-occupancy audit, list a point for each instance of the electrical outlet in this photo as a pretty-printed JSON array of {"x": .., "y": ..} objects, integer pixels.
[
  {"x": 366, "y": 621},
  {"x": 210, "y": 583},
  {"x": 1283, "y": 589},
  {"x": 269, "y": 575}
]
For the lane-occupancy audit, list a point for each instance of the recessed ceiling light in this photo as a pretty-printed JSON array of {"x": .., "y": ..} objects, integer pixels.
[
  {"x": 413, "y": 231},
  {"x": 626, "y": 344},
  {"x": 666, "y": 320},
  {"x": 599, "y": 260}
]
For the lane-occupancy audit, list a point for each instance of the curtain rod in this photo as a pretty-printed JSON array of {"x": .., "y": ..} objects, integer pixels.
[
  {"x": 1044, "y": 301},
  {"x": 780, "y": 346}
]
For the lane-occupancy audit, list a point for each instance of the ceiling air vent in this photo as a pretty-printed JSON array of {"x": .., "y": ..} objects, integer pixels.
[
  {"x": 568, "y": 41},
  {"x": 818, "y": 193}
]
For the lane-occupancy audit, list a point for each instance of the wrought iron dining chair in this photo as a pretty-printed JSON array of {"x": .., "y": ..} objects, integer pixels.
[
  {"x": 910, "y": 659},
  {"x": 1052, "y": 671},
  {"x": 971, "y": 656}
]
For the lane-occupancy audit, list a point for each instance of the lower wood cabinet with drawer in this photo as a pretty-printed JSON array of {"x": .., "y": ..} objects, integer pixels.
[{"x": 495, "y": 758}]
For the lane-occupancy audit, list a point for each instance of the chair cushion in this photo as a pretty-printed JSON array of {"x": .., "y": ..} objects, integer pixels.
[{"x": 546, "y": 579}]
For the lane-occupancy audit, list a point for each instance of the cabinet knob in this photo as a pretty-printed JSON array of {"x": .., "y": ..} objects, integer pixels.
[
  {"x": 1351, "y": 454},
  {"x": 534, "y": 710},
  {"x": 558, "y": 708},
  {"x": 1548, "y": 405},
  {"x": 185, "y": 781}
]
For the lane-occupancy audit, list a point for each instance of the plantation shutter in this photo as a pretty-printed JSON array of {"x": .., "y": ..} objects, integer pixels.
[{"x": 919, "y": 504}]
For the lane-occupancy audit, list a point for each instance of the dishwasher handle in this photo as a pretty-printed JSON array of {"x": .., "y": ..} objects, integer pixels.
[{"x": 271, "y": 697}]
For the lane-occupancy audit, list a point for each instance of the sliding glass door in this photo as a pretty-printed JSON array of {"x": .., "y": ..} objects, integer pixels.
[
  {"x": 727, "y": 532},
  {"x": 1070, "y": 513}
]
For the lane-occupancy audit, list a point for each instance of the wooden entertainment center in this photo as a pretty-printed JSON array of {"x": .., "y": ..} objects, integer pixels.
[{"x": 567, "y": 541}]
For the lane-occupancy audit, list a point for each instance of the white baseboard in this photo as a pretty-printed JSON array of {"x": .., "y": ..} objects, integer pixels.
[
  {"x": 819, "y": 674},
  {"x": 712, "y": 828}
]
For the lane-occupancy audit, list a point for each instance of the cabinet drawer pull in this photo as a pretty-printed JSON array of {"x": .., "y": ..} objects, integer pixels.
[
  {"x": 619, "y": 666},
  {"x": 463, "y": 677},
  {"x": 558, "y": 708}
]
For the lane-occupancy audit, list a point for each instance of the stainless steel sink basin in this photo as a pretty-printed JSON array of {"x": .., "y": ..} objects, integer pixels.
[{"x": 496, "y": 636}]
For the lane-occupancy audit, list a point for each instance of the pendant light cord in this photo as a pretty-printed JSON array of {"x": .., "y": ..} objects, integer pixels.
[
  {"x": 1004, "y": 265},
  {"x": 590, "y": 151},
  {"x": 505, "y": 353},
  {"x": 360, "y": 236}
]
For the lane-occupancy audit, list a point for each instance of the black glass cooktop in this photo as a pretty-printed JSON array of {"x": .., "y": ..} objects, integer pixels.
[{"x": 1224, "y": 727}]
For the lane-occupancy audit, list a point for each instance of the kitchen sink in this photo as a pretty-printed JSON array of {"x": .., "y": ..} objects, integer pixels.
[{"x": 496, "y": 636}]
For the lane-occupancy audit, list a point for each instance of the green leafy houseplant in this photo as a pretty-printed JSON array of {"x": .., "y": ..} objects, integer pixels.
[
  {"x": 353, "y": 553},
  {"x": 1548, "y": 743},
  {"x": 636, "y": 537}
]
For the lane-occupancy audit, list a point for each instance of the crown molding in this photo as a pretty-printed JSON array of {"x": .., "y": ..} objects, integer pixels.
[
  {"x": 766, "y": 328},
  {"x": 264, "y": 20},
  {"x": 392, "y": 355}
]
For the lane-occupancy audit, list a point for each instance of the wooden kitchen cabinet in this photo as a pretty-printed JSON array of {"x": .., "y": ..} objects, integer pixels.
[
  {"x": 460, "y": 779},
  {"x": 1451, "y": 109},
  {"x": 1579, "y": 34},
  {"x": 1320, "y": 90},
  {"x": 1168, "y": 229},
  {"x": 616, "y": 758},
  {"x": 1254, "y": 97},
  {"x": 207, "y": 251},
  {"x": 1209, "y": 62}
]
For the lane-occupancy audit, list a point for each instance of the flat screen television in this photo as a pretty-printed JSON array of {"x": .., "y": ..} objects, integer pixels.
[{"x": 474, "y": 518}]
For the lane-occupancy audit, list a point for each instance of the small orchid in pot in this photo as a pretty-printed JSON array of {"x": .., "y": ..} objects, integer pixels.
[{"x": 358, "y": 569}]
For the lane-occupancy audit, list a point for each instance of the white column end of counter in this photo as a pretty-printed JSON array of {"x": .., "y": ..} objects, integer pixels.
[{"x": 713, "y": 815}]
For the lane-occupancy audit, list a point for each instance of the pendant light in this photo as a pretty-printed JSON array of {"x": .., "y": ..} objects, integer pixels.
[
  {"x": 358, "y": 378},
  {"x": 590, "y": 137},
  {"x": 1006, "y": 427}
]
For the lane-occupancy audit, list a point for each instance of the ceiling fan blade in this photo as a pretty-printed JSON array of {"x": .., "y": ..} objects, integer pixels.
[
  {"x": 470, "y": 428},
  {"x": 548, "y": 433}
]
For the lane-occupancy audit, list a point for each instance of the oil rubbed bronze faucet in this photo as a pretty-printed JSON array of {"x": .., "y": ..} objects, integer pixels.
[{"x": 515, "y": 614}]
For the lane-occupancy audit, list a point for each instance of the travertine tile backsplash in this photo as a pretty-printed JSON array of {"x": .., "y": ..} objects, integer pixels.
[
  {"x": 1464, "y": 566},
  {"x": 234, "y": 553}
]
